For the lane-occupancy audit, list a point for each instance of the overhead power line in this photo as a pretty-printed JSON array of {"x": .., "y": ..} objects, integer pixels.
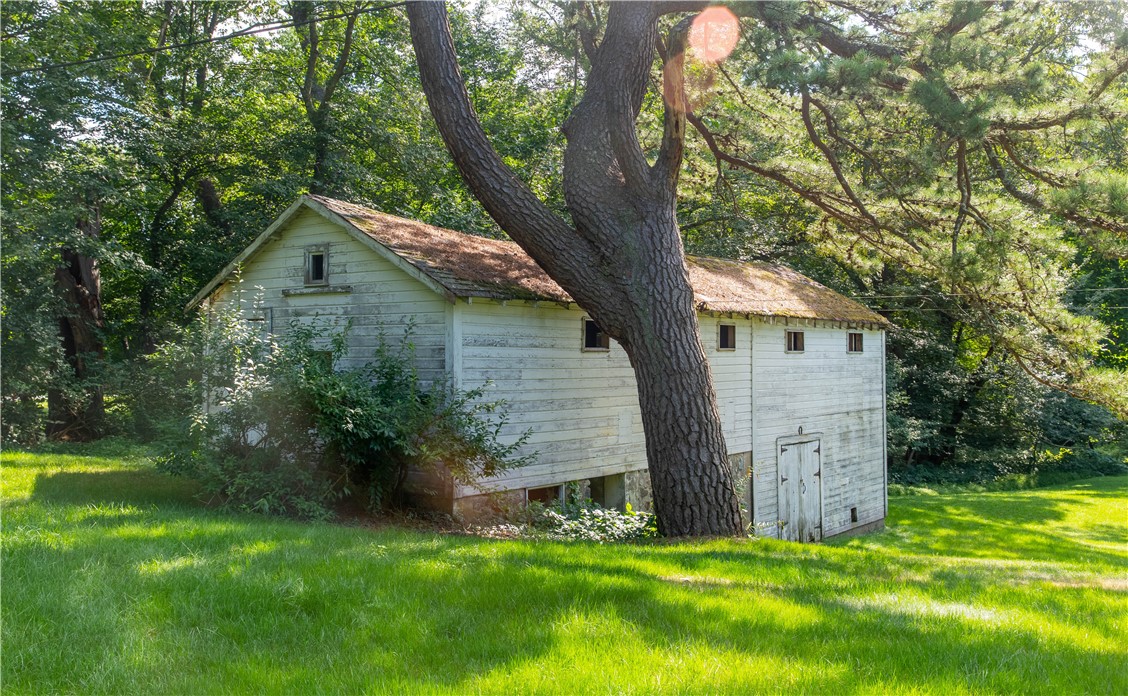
[
  {"x": 257, "y": 28},
  {"x": 966, "y": 294}
]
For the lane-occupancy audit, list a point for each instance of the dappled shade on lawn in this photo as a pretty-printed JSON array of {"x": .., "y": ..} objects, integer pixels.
[{"x": 159, "y": 595}]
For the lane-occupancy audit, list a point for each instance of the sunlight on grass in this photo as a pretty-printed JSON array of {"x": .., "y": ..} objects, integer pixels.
[
  {"x": 918, "y": 606},
  {"x": 151, "y": 592}
]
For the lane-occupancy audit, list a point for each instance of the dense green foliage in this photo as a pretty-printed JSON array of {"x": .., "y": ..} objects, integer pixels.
[
  {"x": 181, "y": 145},
  {"x": 278, "y": 426},
  {"x": 150, "y": 592},
  {"x": 574, "y": 519}
]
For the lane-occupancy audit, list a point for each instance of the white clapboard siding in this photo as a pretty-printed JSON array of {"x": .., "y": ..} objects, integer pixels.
[
  {"x": 732, "y": 371},
  {"x": 826, "y": 391},
  {"x": 381, "y": 300},
  {"x": 580, "y": 406}
]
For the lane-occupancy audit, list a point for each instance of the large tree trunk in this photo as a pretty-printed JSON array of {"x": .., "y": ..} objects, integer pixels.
[
  {"x": 622, "y": 258},
  {"x": 77, "y": 414},
  {"x": 685, "y": 446}
]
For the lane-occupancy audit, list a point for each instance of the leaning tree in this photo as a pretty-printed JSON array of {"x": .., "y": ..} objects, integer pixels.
[{"x": 966, "y": 141}]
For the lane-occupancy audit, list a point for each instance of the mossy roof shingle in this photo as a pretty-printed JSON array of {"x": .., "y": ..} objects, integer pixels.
[{"x": 471, "y": 266}]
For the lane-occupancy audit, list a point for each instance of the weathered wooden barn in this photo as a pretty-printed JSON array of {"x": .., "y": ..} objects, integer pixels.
[{"x": 799, "y": 369}]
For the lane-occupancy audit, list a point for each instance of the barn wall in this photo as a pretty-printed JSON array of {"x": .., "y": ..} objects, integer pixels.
[
  {"x": 732, "y": 377},
  {"x": 380, "y": 297},
  {"x": 828, "y": 391},
  {"x": 582, "y": 407}
]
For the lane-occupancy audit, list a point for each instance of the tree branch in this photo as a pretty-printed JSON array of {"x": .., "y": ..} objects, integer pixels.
[
  {"x": 585, "y": 27},
  {"x": 1008, "y": 147},
  {"x": 819, "y": 199},
  {"x": 507, "y": 199},
  {"x": 308, "y": 40},
  {"x": 831, "y": 158},
  {"x": 668, "y": 164},
  {"x": 963, "y": 182},
  {"x": 618, "y": 83},
  {"x": 342, "y": 61}
]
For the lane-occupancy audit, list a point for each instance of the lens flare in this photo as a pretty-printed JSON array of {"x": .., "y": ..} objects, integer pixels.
[{"x": 714, "y": 34}]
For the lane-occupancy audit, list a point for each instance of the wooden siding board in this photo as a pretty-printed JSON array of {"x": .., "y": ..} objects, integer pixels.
[
  {"x": 383, "y": 299},
  {"x": 582, "y": 406},
  {"x": 828, "y": 392}
]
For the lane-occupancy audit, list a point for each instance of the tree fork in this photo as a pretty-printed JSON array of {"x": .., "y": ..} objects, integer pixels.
[{"x": 622, "y": 260}]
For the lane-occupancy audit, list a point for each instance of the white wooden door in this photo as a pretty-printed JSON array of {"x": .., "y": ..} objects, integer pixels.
[{"x": 800, "y": 490}]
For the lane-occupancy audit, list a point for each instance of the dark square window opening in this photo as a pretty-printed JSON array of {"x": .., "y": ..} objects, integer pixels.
[
  {"x": 317, "y": 267},
  {"x": 261, "y": 322},
  {"x": 727, "y": 338},
  {"x": 853, "y": 342},
  {"x": 594, "y": 338},
  {"x": 547, "y": 495},
  {"x": 794, "y": 341}
]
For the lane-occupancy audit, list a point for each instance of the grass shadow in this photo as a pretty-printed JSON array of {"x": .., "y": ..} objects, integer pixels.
[
  {"x": 172, "y": 600},
  {"x": 114, "y": 487}
]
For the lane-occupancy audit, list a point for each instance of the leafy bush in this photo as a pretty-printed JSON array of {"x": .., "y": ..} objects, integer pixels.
[
  {"x": 597, "y": 524},
  {"x": 273, "y": 427},
  {"x": 577, "y": 521}
]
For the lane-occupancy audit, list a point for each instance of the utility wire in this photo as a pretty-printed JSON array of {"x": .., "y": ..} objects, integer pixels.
[
  {"x": 965, "y": 294},
  {"x": 257, "y": 28}
]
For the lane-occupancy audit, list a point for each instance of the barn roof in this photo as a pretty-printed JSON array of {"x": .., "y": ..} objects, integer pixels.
[{"x": 463, "y": 265}]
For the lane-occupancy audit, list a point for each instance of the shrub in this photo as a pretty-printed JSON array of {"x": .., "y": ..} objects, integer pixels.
[
  {"x": 578, "y": 521},
  {"x": 274, "y": 427}
]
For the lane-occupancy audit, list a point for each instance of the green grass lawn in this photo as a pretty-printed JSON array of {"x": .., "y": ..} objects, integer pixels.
[{"x": 116, "y": 580}]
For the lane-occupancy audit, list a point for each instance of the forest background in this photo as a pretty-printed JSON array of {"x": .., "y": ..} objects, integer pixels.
[{"x": 145, "y": 144}]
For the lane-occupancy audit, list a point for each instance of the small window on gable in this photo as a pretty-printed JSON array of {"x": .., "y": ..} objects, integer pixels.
[
  {"x": 726, "y": 339},
  {"x": 594, "y": 338},
  {"x": 317, "y": 266},
  {"x": 794, "y": 341},
  {"x": 853, "y": 342}
]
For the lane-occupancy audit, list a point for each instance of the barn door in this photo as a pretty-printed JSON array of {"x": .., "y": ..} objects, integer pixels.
[{"x": 800, "y": 490}]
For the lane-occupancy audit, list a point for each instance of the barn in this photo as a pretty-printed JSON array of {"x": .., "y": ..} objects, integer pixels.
[{"x": 799, "y": 369}]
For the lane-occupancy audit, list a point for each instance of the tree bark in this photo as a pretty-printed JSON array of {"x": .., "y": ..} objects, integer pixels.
[
  {"x": 207, "y": 195},
  {"x": 621, "y": 258},
  {"x": 78, "y": 282}
]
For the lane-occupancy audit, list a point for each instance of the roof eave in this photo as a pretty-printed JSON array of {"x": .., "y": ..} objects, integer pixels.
[
  {"x": 306, "y": 201},
  {"x": 254, "y": 246},
  {"x": 385, "y": 252}
]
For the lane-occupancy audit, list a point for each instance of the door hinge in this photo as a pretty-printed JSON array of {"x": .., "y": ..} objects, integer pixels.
[
  {"x": 782, "y": 480},
  {"x": 818, "y": 450},
  {"x": 818, "y": 473},
  {"x": 782, "y": 450}
]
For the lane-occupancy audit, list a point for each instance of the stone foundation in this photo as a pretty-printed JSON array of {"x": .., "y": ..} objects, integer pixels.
[
  {"x": 613, "y": 491},
  {"x": 741, "y": 466},
  {"x": 637, "y": 490},
  {"x": 874, "y": 526}
]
